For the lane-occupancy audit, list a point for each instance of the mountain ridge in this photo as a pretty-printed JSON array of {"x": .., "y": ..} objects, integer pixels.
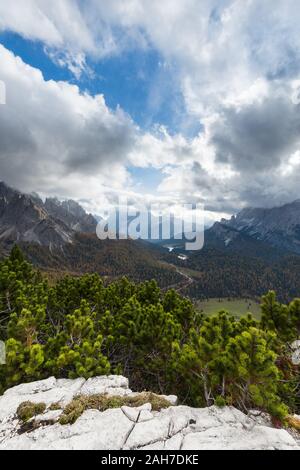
[
  {"x": 234, "y": 262},
  {"x": 278, "y": 226},
  {"x": 26, "y": 218}
]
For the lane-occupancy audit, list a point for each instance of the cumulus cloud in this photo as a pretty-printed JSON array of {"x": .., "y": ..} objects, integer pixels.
[
  {"x": 57, "y": 140},
  {"x": 258, "y": 136},
  {"x": 50, "y": 130},
  {"x": 237, "y": 65}
]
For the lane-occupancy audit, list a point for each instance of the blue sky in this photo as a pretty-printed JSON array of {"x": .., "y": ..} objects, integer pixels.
[
  {"x": 146, "y": 179},
  {"x": 138, "y": 80},
  {"x": 32, "y": 53},
  {"x": 173, "y": 101}
]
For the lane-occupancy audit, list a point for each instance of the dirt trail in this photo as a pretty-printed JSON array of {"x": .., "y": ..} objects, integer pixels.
[{"x": 180, "y": 286}]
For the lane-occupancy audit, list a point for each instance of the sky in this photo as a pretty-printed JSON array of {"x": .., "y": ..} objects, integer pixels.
[{"x": 171, "y": 102}]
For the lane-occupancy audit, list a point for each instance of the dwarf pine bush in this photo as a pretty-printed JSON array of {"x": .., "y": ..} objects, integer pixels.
[{"x": 82, "y": 327}]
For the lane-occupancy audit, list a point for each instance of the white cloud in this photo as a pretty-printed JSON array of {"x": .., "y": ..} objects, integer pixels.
[
  {"x": 54, "y": 137},
  {"x": 59, "y": 141},
  {"x": 237, "y": 65}
]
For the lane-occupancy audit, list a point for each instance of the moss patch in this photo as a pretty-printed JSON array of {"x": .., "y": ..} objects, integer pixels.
[
  {"x": 28, "y": 410},
  {"x": 55, "y": 407},
  {"x": 105, "y": 402},
  {"x": 220, "y": 401},
  {"x": 293, "y": 422}
]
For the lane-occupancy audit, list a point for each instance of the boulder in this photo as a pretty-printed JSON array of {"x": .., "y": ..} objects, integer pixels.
[{"x": 296, "y": 352}]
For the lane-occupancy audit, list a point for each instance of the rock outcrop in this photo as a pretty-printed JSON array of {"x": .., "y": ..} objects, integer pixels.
[
  {"x": 26, "y": 218},
  {"x": 295, "y": 346},
  {"x": 173, "y": 428},
  {"x": 279, "y": 226}
]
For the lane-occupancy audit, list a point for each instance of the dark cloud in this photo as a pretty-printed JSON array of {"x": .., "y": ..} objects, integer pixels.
[
  {"x": 259, "y": 136},
  {"x": 49, "y": 130},
  {"x": 98, "y": 143}
]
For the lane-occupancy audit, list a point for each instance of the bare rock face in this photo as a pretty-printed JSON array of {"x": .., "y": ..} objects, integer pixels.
[
  {"x": 279, "y": 226},
  {"x": 26, "y": 218},
  {"x": 174, "y": 428},
  {"x": 295, "y": 346},
  {"x": 72, "y": 214}
]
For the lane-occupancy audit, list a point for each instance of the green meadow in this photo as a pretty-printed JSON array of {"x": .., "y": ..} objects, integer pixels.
[{"x": 237, "y": 307}]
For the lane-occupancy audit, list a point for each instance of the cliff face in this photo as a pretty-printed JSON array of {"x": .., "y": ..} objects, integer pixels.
[
  {"x": 172, "y": 428},
  {"x": 25, "y": 217},
  {"x": 279, "y": 226},
  {"x": 73, "y": 215}
]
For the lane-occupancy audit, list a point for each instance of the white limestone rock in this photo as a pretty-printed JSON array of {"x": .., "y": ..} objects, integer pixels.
[
  {"x": 173, "y": 399},
  {"x": 145, "y": 415},
  {"x": 174, "y": 428},
  {"x": 296, "y": 344},
  {"x": 228, "y": 437},
  {"x": 74, "y": 386},
  {"x": 32, "y": 388},
  {"x": 60, "y": 391},
  {"x": 45, "y": 391},
  {"x": 149, "y": 432},
  {"x": 113, "y": 385},
  {"x": 174, "y": 443},
  {"x": 296, "y": 352},
  {"x": 134, "y": 414},
  {"x": 296, "y": 357},
  {"x": 52, "y": 415}
]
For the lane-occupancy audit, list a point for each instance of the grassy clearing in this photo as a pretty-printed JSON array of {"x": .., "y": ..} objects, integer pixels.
[{"x": 237, "y": 307}]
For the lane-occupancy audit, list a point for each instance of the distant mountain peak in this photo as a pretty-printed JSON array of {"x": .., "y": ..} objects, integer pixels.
[
  {"x": 25, "y": 217},
  {"x": 277, "y": 226},
  {"x": 72, "y": 213}
]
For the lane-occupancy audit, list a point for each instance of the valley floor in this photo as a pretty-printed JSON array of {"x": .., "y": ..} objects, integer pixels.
[{"x": 237, "y": 307}]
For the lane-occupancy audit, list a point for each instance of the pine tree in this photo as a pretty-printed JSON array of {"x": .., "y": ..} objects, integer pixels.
[
  {"x": 82, "y": 327},
  {"x": 253, "y": 372},
  {"x": 275, "y": 316},
  {"x": 82, "y": 356},
  {"x": 294, "y": 313}
]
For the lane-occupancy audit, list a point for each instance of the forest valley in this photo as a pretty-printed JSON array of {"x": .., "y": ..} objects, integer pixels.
[{"x": 85, "y": 327}]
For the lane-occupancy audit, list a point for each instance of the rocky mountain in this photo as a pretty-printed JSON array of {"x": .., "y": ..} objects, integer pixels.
[
  {"x": 59, "y": 237},
  {"x": 263, "y": 233},
  {"x": 230, "y": 240},
  {"x": 256, "y": 251},
  {"x": 278, "y": 227},
  {"x": 72, "y": 214},
  {"x": 26, "y": 218},
  {"x": 129, "y": 427}
]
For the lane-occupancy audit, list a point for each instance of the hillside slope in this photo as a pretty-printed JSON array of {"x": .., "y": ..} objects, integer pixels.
[
  {"x": 26, "y": 218},
  {"x": 279, "y": 226},
  {"x": 109, "y": 258}
]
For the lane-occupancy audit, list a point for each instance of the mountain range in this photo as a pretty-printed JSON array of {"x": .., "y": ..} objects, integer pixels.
[
  {"x": 60, "y": 237},
  {"x": 26, "y": 218},
  {"x": 278, "y": 226},
  {"x": 256, "y": 231},
  {"x": 254, "y": 251}
]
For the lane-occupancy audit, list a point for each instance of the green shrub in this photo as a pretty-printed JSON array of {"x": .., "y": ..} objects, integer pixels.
[
  {"x": 82, "y": 327},
  {"x": 220, "y": 401}
]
